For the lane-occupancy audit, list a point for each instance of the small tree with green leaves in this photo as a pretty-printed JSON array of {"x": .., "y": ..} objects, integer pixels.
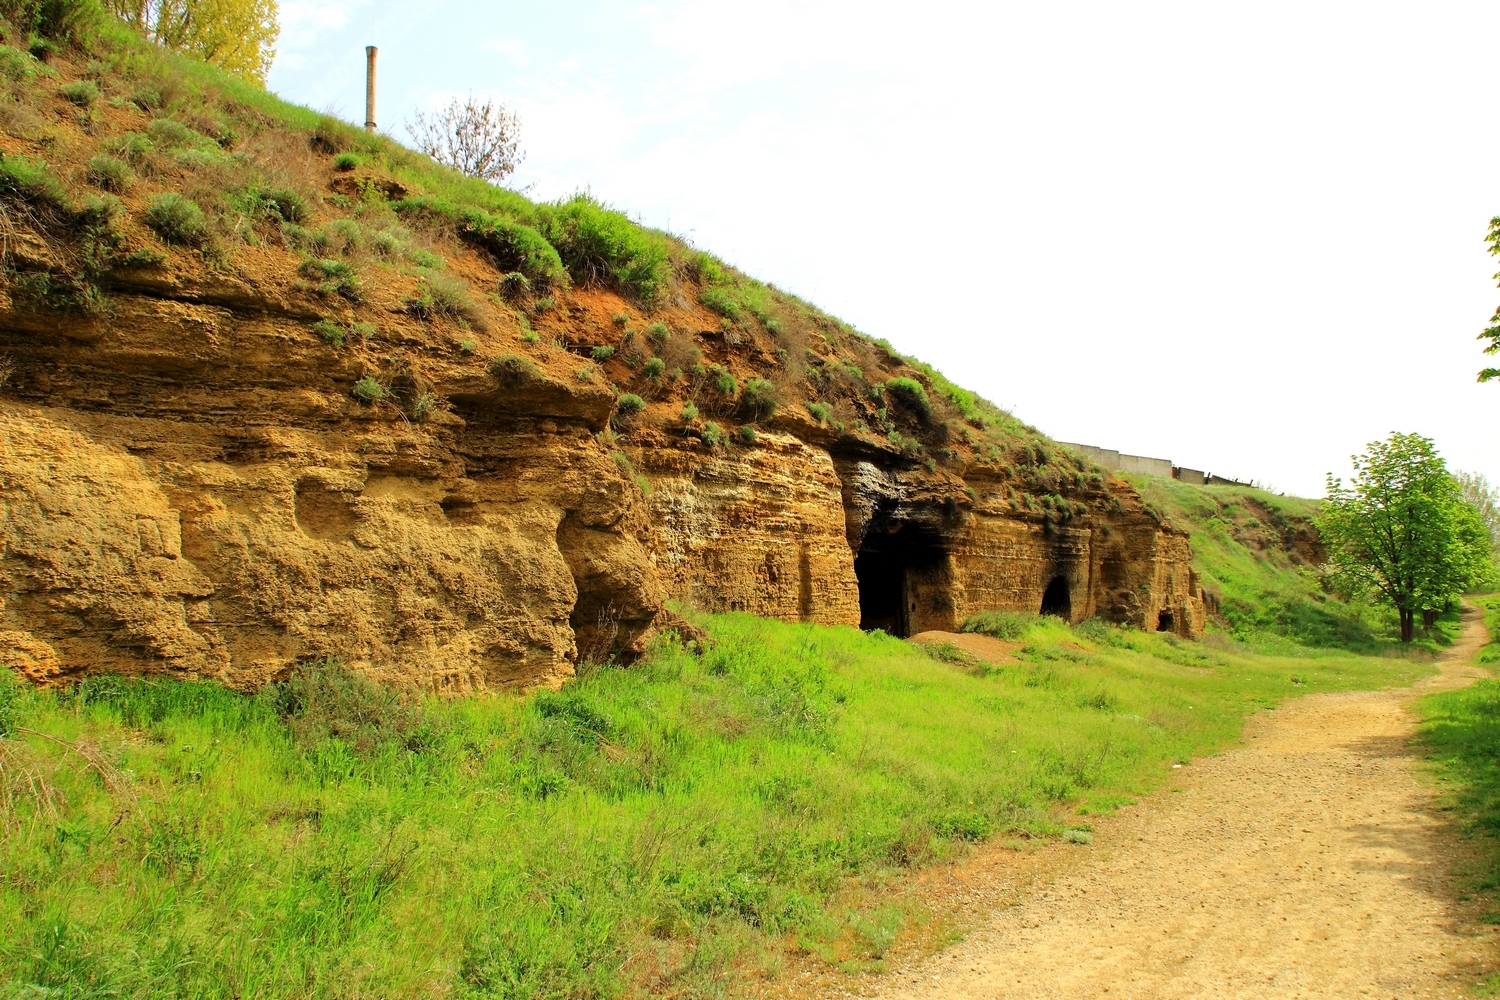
[{"x": 1401, "y": 531}]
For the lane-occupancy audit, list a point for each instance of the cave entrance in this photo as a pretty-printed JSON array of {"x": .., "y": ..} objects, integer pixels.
[
  {"x": 1056, "y": 600},
  {"x": 1164, "y": 622},
  {"x": 897, "y": 573}
]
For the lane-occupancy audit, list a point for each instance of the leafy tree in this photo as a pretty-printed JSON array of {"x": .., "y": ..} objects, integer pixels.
[
  {"x": 239, "y": 35},
  {"x": 1484, "y": 498},
  {"x": 477, "y": 138},
  {"x": 1402, "y": 531},
  {"x": 1492, "y": 332}
]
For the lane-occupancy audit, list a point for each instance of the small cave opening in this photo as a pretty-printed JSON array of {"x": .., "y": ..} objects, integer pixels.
[
  {"x": 895, "y": 571},
  {"x": 1164, "y": 622},
  {"x": 1056, "y": 600}
]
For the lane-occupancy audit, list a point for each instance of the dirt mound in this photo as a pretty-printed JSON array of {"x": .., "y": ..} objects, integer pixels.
[{"x": 985, "y": 648}]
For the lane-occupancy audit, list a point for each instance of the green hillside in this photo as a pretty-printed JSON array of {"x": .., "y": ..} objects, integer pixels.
[{"x": 1259, "y": 557}]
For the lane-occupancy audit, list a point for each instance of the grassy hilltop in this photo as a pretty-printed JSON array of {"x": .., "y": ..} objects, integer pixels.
[
  {"x": 130, "y": 169},
  {"x": 687, "y": 826}
]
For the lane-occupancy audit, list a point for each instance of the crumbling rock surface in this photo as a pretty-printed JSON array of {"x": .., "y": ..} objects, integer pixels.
[{"x": 189, "y": 488}]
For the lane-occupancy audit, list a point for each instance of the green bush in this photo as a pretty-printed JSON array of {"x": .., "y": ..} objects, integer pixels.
[
  {"x": 333, "y": 277},
  {"x": 330, "y": 331},
  {"x": 910, "y": 392},
  {"x": 288, "y": 205},
  {"x": 369, "y": 390},
  {"x": 653, "y": 368},
  {"x": 748, "y": 435},
  {"x": 514, "y": 285},
  {"x": 1008, "y": 625},
  {"x": 721, "y": 301},
  {"x": 146, "y": 96},
  {"x": 515, "y": 247},
  {"x": 629, "y": 404},
  {"x": 98, "y": 213},
  {"x": 602, "y": 353},
  {"x": 80, "y": 92},
  {"x": 441, "y": 295},
  {"x": 134, "y": 148},
  {"x": 17, "y": 66},
  {"x": 169, "y": 134},
  {"x": 704, "y": 269},
  {"x": 689, "y": 412},
  {"x": 32, "y": 181},
  {"x": 176, "y": 219},
  {"x": 658, "y": 334},
  {"x": 819, "y": 412},
  {"x": 110, "y": 173},
  {"x": 347, "y": 161},
  {"x": 602, "y": 246},
  {"x": 760, "y": 397},
  {"x": 712, "y": 434},
  {"x": 724, "y": 381}
]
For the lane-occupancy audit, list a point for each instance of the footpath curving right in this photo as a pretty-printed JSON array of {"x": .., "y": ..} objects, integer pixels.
[{"x": 1309, "y": 862}]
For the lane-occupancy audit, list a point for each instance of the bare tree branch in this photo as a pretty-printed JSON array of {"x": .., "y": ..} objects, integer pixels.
[{"x": 480, "y": 139}]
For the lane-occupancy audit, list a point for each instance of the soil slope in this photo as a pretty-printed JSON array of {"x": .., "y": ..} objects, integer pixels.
[{"x": 1309, "y": 862}]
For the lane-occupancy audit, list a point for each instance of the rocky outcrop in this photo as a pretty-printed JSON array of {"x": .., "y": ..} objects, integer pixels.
[
  {"x": 331, "y": 428},
  {"x": 190, "y": 485}
]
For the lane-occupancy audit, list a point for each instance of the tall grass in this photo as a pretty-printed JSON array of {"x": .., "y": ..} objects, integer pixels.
[
  {"x": 1461, "y": 732},
  {"x": 664, "y": 828}
]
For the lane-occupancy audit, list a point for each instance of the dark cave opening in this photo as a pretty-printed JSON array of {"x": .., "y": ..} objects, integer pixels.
[
  {"x": 1056, "y": 600},
  {"x": 1164, "y": 622},
  {"x": 892, "y": 570}
]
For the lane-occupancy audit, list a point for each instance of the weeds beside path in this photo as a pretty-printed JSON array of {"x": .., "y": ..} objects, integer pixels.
[{"x": 1311, "y": 861}]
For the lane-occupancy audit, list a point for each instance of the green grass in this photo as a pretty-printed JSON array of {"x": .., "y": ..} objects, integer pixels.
[
  {"x": 1245, "y": 547},
  {"x": 1461, "y": 732},
  {"x": 666, "y": 828}
]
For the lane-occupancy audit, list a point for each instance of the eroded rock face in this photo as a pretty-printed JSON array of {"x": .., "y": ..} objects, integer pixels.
[
  {"x": 234, "y": 522},
  {"x": 191, "y": 484}
]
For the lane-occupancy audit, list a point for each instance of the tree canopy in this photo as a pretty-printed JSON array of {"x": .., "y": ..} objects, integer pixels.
[
  {"x": 1402, "y": 531},
  {"x": 238, "y": 35}
]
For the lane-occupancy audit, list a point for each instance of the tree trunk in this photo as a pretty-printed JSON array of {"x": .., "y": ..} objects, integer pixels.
[
  {"x": 1407, "y": 625},
  {"x": 1429, "y": 618}
]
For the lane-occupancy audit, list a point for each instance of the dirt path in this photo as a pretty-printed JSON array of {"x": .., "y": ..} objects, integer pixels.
[{"x": 1308, "y": 863}]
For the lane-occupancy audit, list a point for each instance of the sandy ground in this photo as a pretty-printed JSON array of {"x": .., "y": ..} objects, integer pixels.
[{"x": 1310, "y": 862}]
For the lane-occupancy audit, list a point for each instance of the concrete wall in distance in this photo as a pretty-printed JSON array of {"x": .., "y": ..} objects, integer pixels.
[
  {"x": 1193, "y": 476},
  {"x": 1149, "y": 466}
]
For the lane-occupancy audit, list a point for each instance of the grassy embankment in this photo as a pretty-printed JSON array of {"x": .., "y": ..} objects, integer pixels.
[
  {"x": 671, "y": 827},
  {"x": 674, "y": 826},
  {"x": 1461, "y": 730},
  {"x": 1258, "y": 553}
]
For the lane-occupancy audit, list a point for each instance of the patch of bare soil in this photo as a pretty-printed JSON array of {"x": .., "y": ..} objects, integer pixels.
[
  {"x": 1310, "y": 862},
  {"x": 981, "y": 647}
]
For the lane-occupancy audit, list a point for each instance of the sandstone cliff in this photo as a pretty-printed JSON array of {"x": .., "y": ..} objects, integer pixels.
[{"x": 347, "y": 418}]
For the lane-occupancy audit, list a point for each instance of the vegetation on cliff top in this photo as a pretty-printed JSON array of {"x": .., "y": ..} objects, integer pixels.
[
  {"x": 170, "y": 168},
  {"x": 677, "y": 827}
]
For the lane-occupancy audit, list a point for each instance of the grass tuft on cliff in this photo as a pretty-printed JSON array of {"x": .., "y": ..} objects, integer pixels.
[{"x": 673, "y": 828}]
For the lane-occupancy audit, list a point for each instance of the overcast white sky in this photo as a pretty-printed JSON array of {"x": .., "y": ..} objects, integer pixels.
[{"x": 1245, "y": 237}]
